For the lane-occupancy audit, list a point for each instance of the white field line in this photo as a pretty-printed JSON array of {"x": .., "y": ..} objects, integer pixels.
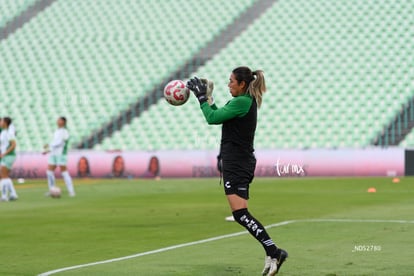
[{"x": 173, "y": 247}]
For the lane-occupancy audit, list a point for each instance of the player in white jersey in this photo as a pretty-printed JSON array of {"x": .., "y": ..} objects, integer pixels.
[
  {"x": 8, "y": 156},
  {"x": 58, "y": 150},
  {"x": 12, "y": 129}
]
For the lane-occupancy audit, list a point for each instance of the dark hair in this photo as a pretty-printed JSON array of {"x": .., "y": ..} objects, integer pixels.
[
  {"x": 255, "y": 82},
  {"x": 121, "y": 173},
  {"x": 158, "y": 165},
  {"x": 88, "y": 170},
  {"x": 63, "y": 119},
  {"x": 8, "y": 120},
  {"x": 243, "y": 73}
]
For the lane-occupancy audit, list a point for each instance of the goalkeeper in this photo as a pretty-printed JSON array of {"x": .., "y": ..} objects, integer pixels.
[{"x": 239, "y": 118}]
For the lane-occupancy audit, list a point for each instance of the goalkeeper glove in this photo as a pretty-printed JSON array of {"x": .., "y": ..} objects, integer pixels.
[
  {"x": 199, "y": 89},
  {"x": 210, "y": 88}
]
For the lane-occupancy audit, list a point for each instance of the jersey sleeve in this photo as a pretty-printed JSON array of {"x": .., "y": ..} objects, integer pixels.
[
  {"x": 237, "y": 107},
  {"x": 58, "y": 139},
  {"x": 11, "y": 136},
  {"x": 12, "y": 129},
  {"x": 65, "y": 135}
]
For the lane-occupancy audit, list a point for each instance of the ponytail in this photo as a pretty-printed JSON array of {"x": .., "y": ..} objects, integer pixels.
[
  {"x": 257, "y": 86},
  {"x": 255, "y": 82}
]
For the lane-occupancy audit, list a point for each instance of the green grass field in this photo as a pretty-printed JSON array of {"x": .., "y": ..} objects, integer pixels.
[{"x": 115, "y": 218}]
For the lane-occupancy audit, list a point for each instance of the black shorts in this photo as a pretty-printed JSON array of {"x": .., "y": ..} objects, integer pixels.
[{"x": 237, "y": 177}]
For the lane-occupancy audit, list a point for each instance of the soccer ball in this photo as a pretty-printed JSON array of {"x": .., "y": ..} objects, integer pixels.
[
  {"x": 176, "y": 92},
  {"x": 55, "y": 192}
]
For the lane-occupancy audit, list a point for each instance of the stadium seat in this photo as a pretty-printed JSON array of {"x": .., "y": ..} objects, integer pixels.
[
  {"x": 408, "y": 141},
  {"x": 90, "y": 60},
  {"x": 336, "y": 71},
  {"x": 9, "y": 9}
]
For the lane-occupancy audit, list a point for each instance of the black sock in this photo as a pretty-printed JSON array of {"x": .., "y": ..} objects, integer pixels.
[{"x": 256, "y": 229}]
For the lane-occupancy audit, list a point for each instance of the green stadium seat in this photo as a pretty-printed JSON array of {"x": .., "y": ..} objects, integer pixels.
[
  {"x": 108, "y": 53},
  {"x": 9, "y": 9},
  {"x": 332, "y": 83},
  {"x": 337, "y": 72}
]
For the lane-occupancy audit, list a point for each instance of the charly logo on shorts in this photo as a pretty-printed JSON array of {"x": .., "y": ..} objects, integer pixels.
[{"x": 227, "y": 185}]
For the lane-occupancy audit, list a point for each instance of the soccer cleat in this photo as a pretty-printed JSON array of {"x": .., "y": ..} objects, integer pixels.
[
  {"x": 229, "y": 218},
  {"x": 13, "y": 198},
  {"x": 276, "y": 263},
  {"x": 266, "y": 268},
  {"x": 282, "y": 258}
]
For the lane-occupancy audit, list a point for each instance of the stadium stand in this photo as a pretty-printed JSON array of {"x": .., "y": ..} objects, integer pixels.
[
  {"x": 90, "y": 60},
  {"x": 337, "y": 74},
  {"x": 11, "y": 8},
  {"x": 409, "y": 140}
]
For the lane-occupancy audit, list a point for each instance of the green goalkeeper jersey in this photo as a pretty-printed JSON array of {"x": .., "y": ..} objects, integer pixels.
[{"x": 239, "y": 119}]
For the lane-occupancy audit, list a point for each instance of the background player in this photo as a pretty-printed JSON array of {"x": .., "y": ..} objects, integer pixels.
[
  {"x": 58, "y": 149},
  {"x": 8, "y": 156},
  {"x": 239, "y": 119}
]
